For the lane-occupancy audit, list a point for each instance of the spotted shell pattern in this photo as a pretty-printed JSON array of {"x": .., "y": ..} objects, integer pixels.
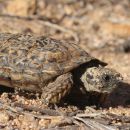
[{"x": 26, "y": 59}]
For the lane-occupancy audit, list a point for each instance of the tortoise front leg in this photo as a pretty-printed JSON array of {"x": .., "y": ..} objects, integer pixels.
[{"x": 57, "y": 89}]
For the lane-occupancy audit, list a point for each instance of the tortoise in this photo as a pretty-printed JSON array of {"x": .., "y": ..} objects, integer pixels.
[{"x": 51, "y": 67}]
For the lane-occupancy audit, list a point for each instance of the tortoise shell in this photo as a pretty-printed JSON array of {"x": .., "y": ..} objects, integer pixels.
[{"x": 36, "y": 60}]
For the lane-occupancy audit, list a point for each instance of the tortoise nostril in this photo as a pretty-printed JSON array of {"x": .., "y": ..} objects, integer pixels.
[{"x": 119, "y": 77}]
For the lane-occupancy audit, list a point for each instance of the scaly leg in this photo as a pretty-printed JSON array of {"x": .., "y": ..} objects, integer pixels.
[{"x": 57, "y": 89}]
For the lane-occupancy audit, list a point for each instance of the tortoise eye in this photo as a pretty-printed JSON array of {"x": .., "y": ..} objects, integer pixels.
[{"x": 106, "y": 78}]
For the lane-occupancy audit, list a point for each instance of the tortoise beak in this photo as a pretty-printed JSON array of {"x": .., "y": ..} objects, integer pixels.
[{"x": 119, "y": 78}]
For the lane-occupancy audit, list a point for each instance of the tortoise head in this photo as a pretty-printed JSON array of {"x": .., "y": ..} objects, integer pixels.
[{"x": 100, "y": 79}]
